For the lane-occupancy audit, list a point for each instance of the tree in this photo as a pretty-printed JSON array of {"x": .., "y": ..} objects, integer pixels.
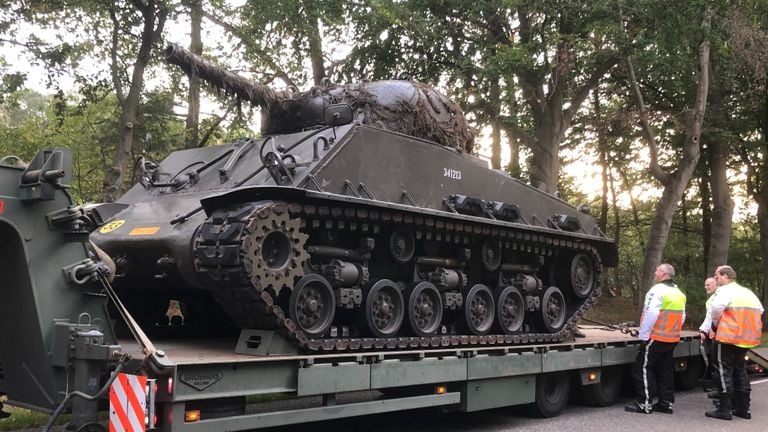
[
  {"x": 554, "y": 53},
  {"x": 153, "y": 15},
  {"x": 674, "y": 182},
  {"x": 193, "y": 101}
]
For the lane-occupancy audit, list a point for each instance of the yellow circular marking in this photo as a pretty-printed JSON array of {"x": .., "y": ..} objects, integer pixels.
[{"x": 115, "y": 224}]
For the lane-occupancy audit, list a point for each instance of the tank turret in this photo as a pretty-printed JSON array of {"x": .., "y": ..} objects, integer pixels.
[{"x": 409, "y": 107}]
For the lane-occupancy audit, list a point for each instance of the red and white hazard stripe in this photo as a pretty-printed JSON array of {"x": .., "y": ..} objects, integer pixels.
[{"x": 128, "y": 404}]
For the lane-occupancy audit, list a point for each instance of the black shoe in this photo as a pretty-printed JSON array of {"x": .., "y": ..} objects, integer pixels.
[
  {"x": 657, "y": 407},
  {"x": 743, "y": 414},
  {"x": 719, "y": 415},
  {"x": 4, "y": 414},
  {"x": 636, "y": 408}
]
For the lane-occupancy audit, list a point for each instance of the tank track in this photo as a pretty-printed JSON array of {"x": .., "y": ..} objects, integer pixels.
[{"x": 225, "y": 271}]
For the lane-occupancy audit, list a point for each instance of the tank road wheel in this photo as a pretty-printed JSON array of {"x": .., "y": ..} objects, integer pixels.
[
  {"x": 425, "y": 309},
  {"x": 491, "y": 254},
  {"x": 552, "y": 391},
  {"x": 384, "y": 309},
  {"x": 312, "y": 305},
  {"x": 583, "y": 276},
  {"x": 479, "y": 309},
  {"x": 274, "y": 248},
  {"x": 553, "y": 309},
  {"x": 510, "y": 310},
  {"x": 402, "y": 245}
]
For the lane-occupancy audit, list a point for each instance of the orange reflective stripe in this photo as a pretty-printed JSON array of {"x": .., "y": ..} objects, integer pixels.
[
  {"x": 740, "y": 326},
  {"x": 668, "y": 326}
]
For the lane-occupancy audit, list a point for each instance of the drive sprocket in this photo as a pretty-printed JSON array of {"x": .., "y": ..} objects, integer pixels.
[{"x": 273, "y": 248}]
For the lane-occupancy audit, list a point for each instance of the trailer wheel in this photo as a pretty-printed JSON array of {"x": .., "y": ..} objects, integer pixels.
[
  {"x": 606, "y": 392},
  {"x": 552, "y": 391},
  {"x": 92, "y": 427},
  {"x": 689, "y": 378}
]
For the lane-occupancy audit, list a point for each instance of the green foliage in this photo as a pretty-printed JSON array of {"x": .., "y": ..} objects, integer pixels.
[{"x": 88, "y": 128}]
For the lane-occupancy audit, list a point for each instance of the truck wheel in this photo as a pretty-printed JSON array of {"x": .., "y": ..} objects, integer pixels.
[
  {"x": 606, "y": 392},
  {"x": 552, "y": 391}
]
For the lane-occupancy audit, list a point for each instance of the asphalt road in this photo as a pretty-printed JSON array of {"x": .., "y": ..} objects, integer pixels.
[{"x": 689, "y": 416}]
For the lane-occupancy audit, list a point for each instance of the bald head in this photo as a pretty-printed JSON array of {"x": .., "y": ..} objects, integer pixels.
[
  {"x": 664, "y": 272},
  {"x": 710, "y": 285}
]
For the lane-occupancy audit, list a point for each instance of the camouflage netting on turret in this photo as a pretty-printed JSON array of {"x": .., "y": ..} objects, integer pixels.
[{"x": 408, "y": 107}]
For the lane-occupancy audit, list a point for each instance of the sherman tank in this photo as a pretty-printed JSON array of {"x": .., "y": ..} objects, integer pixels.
[{"x": 358, "y": 220}]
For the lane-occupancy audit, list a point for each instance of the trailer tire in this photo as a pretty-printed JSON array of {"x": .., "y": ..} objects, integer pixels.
[
  {"x": 92, "y": 427},
  {"x": 689, "y": 378},
  {"x": 552, "y": 391},
  {"x": 606, "y": 392}
]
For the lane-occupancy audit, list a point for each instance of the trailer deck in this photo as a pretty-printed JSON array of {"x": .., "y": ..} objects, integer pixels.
[{"x": 464, "y": 379}]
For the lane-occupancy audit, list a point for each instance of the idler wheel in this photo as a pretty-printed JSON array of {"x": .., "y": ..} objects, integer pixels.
[
  {"x": 552, "y": 310},
  {"x": 491, "y": 254},
  {"x": 479, "y": 309},
  {"x": 384, "y": 308},
  {"x": 274, "y": 248},
  {"x": 510, "y": 310},
  {"x": 583, "y": 275},
  {"x": 402, "y": 245},
  {"x": 425, "y": 309},
  {"x": 312, "y": 305}
]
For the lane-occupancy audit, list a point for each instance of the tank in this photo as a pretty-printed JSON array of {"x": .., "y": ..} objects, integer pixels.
[{"x": 358, "y": 221}]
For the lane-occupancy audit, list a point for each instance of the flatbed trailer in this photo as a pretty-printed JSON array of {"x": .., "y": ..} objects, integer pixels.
[
  {"x": 59, "y": 350},
  {"x": 316, "y": 387}
]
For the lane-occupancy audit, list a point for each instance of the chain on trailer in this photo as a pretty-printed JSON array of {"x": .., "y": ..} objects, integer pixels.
[
  {"x": 629, "y": 328},
  {"x": 224, "y": 240}
]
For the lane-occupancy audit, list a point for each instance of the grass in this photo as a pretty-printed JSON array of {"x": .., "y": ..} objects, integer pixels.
[{"x": 25, "y": 419}]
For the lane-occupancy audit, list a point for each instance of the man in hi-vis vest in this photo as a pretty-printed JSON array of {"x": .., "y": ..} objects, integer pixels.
[
  {"x": 660, "y": 326},
  {"x": 737, "y": 315}
]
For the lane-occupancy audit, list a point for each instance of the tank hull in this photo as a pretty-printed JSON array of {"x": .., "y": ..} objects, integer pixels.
[{"x": 379, "y": 239}]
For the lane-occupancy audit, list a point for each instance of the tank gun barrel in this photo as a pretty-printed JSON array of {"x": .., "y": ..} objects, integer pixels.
[{"x": 222, "y": 79}]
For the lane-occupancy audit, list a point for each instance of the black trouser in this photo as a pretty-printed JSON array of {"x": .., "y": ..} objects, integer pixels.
[
  {"x": 730, "y": 377},
  {"x": 710, "y": 347},
  {"x": 655, "y": 366}
]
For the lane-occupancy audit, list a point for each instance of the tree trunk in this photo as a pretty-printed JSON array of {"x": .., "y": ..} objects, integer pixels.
[
  {"x": 602, "y": 149},
  {"x": 315, "y": 45},
  {"x": 762, "y": 219},
  {"x": 113, "y": 182},
  {"x": 195, "y": 47},
  {"x": 706, "y": 213},
  {"x": 495, "y": 101},
  {"x": 675, "y": 184},
  {"x": 545, "y": 163},
  {"x": 722, "y": 207}
]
